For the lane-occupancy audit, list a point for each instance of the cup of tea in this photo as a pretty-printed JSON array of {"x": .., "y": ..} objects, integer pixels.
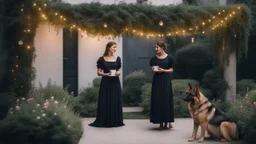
[
  {"x": 155, "y": 68},
  {"x": 112, "y": 72}
]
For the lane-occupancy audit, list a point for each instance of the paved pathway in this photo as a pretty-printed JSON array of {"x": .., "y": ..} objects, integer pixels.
[
  {"x": 140, "y": 132},
  {"x": 132, "y": 109}
]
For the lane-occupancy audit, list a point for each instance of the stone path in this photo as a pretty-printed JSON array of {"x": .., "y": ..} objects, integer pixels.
[{"x": 140, "y": 132}]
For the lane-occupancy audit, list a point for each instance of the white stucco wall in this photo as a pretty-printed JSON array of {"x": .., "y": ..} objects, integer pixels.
[
  {"x": 90, "y": 49},
  {"x": 49, "y": 51}
]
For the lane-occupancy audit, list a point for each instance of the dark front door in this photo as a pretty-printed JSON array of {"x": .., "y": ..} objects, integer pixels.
[
  {"x": 70, "y": 60},
  {"x": 137, "y": 52}
]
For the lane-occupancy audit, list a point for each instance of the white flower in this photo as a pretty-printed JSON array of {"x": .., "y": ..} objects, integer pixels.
[
  {"x": 44, "y": 115},
  {"x": 17, "y": 108},
  {"x": 38, "y": 105},
  {"x": 55, "y": 114},
  {"x": 38, "y": 117},
  {"x": 11, "y": 112},
  {"x": 69, "y": 126},
  {"x": 56, "y": 102},
  {"x": 65, "y": 107},
  {"x": 52, "y": 98},
  {"x": 23, "y": 99},
  {"x": 10, "y": 109},
  {"x": 18, "y": 100},
  {"x": 254, "y": 103},
  {"x": 45, "y": 107},
  {"x": 34, "y": 111},
  {"x": 47, "y": 100}
]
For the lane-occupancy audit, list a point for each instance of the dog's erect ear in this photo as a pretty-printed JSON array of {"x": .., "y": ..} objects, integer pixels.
[
  {"x": 189, "y": 86},
  {"x": 196, "y": 89}
]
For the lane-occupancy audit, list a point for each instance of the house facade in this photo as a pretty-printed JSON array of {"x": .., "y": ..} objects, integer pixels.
[{"x": 70, "y": 58}]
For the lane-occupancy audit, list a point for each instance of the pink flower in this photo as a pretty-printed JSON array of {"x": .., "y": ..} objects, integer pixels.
[
  {"x": 47, "y": 100},
  {"x": 45, "y": 106},
  {"x": 241, "y": 106},
  {"x": 18, "y": 100},
  {"x": 17, "y": 108},
  {"x": 254, "y": 103},
  {"x": 30, "y": 99},
  {"x": 56, "y": 102}
]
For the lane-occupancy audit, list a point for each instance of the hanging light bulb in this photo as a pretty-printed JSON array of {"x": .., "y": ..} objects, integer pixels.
[
  {"x": 192, "y": 39},
  {"x": 161, "y": 23},
  {"x": 20, "y": 42},
  {"x": 105, "y": 25}
]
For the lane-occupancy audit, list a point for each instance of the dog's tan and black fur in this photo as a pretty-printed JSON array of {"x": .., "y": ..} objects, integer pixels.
[{"x": 211, "y": 120}]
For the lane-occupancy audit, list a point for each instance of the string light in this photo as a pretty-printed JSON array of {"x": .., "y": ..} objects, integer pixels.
[{"x": 213, "y": 20}]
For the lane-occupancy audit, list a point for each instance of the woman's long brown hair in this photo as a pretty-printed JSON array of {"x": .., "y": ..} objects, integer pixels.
[{"x": 109, "y": 45}]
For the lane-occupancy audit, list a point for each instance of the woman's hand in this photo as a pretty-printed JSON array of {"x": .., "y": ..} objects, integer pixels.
[
  {"x": 160, "y": 70},
  {"x": 117, "y": 73}
]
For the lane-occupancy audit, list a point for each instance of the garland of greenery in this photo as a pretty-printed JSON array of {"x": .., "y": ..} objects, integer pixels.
[{"x": 228, "y": 27}]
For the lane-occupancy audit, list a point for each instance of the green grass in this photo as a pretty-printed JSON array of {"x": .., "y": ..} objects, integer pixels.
[{"x": 135, "y": 115}]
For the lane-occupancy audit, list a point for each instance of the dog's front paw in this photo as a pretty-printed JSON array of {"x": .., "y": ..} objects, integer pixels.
[
  {"x": 200, "y": 140},
  {"x": 191, "y": 139}
]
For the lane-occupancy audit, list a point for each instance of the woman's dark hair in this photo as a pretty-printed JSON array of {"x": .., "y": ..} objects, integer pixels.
[
  {"x": 161, "y": 44},
  {"x": 109, "y": 45}
]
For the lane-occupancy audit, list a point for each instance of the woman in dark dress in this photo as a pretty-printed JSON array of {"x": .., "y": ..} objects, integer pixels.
[
  {"x": 109, "y": 111},
  {"x": 161, "y": 110}
]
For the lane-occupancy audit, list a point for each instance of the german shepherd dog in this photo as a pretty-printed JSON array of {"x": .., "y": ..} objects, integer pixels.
[{"x": 211, "y": 120}]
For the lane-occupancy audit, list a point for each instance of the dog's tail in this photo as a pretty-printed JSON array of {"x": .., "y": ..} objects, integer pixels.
[{"x": 234, "y": 131}]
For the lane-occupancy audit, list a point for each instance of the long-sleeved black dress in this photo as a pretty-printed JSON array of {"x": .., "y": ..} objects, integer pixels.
[
  {"x": 161, "y": 109},
  {"x": 109, "y": 111}
]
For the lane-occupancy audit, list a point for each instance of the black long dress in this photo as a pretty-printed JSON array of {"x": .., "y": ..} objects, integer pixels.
[
  {"x": 109, "y": 111},
  {"x": 161, "y": 109}
]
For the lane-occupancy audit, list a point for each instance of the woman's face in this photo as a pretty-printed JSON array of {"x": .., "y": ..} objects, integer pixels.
[
  {"x": 112, "y": 49},
  {"x": 158, "y": 49}
]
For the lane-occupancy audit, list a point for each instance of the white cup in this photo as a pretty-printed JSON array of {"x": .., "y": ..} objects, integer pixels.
[
  {"x": 112, "y": 72},
  {"x": 155, "y": 68}
]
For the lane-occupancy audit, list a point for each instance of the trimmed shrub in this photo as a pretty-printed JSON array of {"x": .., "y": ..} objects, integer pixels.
[
  {"x": 213, "y": 80},
  {"x": 96, "y": 82},
  {"x": 145, "y": 98},
  {"x": 132, "y": 88},
  {"x": 86, "y": 102},
  {"x": 193, "y": 60},
  {"x": 180, "y": 86},
  {"x": 242, "y": 85}
]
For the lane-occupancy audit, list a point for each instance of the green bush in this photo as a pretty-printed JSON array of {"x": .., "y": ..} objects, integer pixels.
[
  {"x": 6, "y": 101},
  {"x": 193, "y": 60},
  {"x": 96, "y": 82},
  {"x": 132, "y": 88},
  {"x": 242, "y": 85},
  {"x": 40, "y": 121},
  {"x": 243, "y": 112},
  {"x": 56, "y": 91},
  {"x": 213, "y": 80},
  {"x": 180, "y": 86},
  {"x": 145, "y": 98},
  {"x": 86, "y": 102}
]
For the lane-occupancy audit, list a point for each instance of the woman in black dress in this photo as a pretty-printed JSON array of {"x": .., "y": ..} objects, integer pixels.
[
  {"x": 109, "y": 111},
  {"x": 161, "y": 110}
]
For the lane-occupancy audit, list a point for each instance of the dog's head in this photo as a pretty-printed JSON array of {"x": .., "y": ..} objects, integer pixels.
[{"x": 193, "y": 94}]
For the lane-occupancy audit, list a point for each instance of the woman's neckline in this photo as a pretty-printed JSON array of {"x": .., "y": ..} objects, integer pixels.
[
  {"x": 109, "y": 61},
  {"x": 162, "y": 58}
]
